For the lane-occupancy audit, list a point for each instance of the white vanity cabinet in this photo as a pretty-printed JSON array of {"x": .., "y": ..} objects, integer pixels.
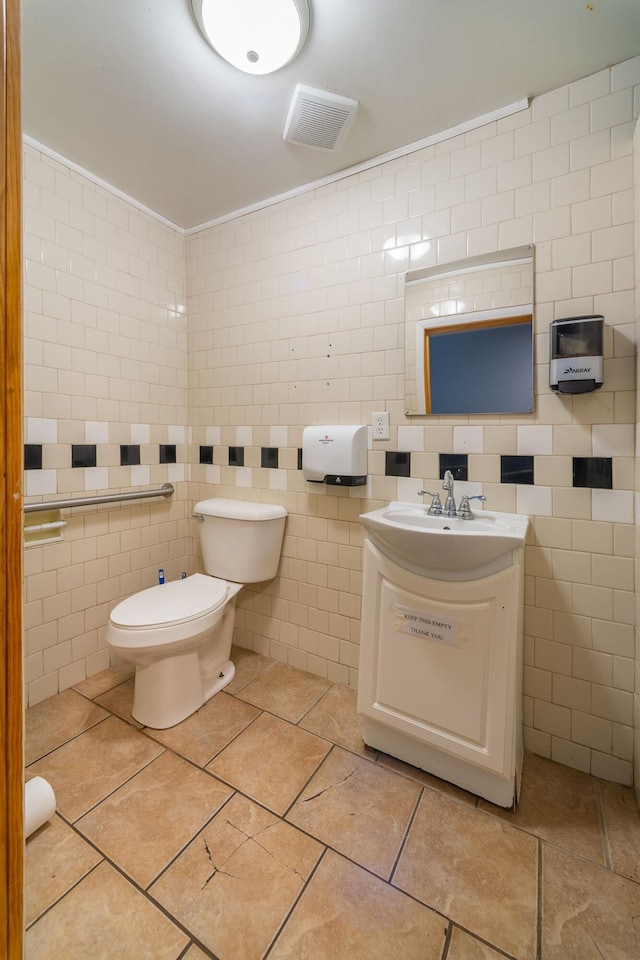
[{"x": 440, "y": 671}]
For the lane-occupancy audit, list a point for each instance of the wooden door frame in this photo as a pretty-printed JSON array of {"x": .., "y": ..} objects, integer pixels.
[{"x": 11, "y": 684}]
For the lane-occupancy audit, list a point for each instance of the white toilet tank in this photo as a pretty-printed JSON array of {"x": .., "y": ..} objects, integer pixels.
[{"x": 241, "y": 541}]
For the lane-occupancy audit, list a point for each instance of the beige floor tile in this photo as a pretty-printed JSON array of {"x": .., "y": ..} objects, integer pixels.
[
  {"x": 622, "y": 824},
  {"x": 143, "y": 825},
  {"x": 345, "y": 912},
  {"x": 248, "y": 665},
  {"x": 587, "y": 912},
  {"x": 558, "y": 804},
  {"x": 235, "y": 883},
  {"x": 428, "y": 779},
  {"x": 54, "y": 721},
  {"x": 207, "y": 731},
  {"x": 56, "y": 858},
  {"x": 99, "y": 683},
  {"x": 271, "y": 761},
  {"x": 285, "y": 691},
  {"x": 98, "y": 761},
  {"x": 195, "y": 953},
  {"x": 358, "y": 808},
  {"x": 465, "y": 947},
  {"x": 119, "y": 700},
  {"x": 475, "y": 869},
  {"x": 104, "y": 918},
  {"x": 335, "y": 717}
]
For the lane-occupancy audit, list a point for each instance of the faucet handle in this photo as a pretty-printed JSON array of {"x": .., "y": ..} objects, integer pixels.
[
  {"x": 436, "y": 504},
  {"x": 464, "y": 510}
]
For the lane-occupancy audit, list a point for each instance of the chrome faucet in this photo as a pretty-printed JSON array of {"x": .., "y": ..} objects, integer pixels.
[
  {"x": 450, "y": 503},
  {"x": 449, "y": 510}
]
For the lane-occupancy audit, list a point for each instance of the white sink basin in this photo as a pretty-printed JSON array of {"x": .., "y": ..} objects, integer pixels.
[{"x": 409, "y": 535}]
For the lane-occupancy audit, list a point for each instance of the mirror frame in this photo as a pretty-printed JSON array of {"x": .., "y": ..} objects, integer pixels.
[{"x": 418, "y": 332}]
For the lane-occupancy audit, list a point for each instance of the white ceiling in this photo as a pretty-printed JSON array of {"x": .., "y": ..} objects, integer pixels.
[{"x": 130, "y": 90}]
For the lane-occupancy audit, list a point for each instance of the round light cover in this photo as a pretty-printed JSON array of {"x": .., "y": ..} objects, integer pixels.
[{"x": 257, "y": 36}]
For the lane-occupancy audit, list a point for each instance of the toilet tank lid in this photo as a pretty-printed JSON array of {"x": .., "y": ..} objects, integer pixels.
[{"x": 239, "y": 509}]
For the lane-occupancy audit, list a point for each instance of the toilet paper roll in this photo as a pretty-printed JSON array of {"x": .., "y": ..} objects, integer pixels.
[{"x": 39, "y": 804}]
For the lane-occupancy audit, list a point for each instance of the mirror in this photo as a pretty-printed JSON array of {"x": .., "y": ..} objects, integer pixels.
[{"x": 469, "y": 336}]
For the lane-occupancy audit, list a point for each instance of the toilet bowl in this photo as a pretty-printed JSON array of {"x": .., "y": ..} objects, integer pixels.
[{"x": 179, "y": 634}]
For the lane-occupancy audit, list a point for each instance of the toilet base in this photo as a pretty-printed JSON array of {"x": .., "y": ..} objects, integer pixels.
[{"x": 172, "y": 689}]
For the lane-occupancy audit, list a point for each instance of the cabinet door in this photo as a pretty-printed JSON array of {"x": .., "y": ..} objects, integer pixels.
[{"x": 438, "y": 659}]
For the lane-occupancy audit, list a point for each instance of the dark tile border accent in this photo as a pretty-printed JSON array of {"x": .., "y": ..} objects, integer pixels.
[
  {"x": 299, "y": 458},
  {"x": 236, "y": 456},
  {"x": 83, "y": 455},
  {"x": 269, "y": 457},
  {"x": 129, "y": 454},
  {"x": 594, "y": 472},
  {"x": 33, "y": 456},
  {"x": 397, "y": 463},
  {"x": 206, "y": 454},
  {"x": 458, "y": 463},
  {"x": 516, "y": 469},
  {"x": 167, "y": 453}
]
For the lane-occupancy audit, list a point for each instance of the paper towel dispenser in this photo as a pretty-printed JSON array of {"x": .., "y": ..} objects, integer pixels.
[{"x": 335, "y": 455}]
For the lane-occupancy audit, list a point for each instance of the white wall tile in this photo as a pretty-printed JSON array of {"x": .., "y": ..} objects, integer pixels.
[
  {"x": 96, "y": 478},
  {"x": 468, "y": 440},
  {"x": 140, "y": 433},
  {"x": 96, "y": 431},
  {"x": 613, "y": 439},
  {"x": 140, "y": 475},
  {"x": 278, "y": 436},
  {"x": 535, "y": 439},
  {"x": 534, "y": 501},
  {"x": 40, "y": 483},
  {"x": 244, "y": 436},
  {"x": 612, "y": 505},
  {"x": 411, "y": 438},
  {"x": 41, "y": 430}
]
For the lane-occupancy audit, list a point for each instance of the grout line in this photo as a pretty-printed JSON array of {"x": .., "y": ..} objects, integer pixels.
[
  {"x": 307, "y": 782},
  {"x": 539, "y": 917},
  {"x": 315, "y": 702},
  {"x": 289, "y": 913},
  {"x": 604, "y": 835},
  {"x": 447, "y": 940},
  {"x": 179, "y": 853},
  {"x": 67, "y": 742},
  {"x": 50, "y": 906},
  {"x": 405, "y": 838}
]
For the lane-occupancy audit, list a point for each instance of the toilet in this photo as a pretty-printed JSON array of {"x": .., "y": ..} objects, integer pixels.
[{"x": 179, "y": 634}]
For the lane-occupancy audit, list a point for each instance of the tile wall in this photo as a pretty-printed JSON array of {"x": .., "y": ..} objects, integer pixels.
[
  {"x": 105, "y": 410},
  {"x": 296, "y": 317}
]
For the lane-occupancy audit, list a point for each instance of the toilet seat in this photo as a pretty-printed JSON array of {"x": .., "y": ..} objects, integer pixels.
[{"x": 170, "y": 604}]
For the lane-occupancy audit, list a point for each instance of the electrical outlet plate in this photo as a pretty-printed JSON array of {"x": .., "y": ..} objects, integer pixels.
[{"x": 380, "y": 425}]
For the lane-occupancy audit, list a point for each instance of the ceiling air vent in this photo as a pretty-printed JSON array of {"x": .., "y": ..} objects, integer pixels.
[{"x": 318, "y": 119}]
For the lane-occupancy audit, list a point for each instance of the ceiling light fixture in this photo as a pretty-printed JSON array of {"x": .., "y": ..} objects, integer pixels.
[{"x": 257, "y": 36}]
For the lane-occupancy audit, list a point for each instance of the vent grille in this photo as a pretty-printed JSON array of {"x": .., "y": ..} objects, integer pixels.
[{"x": 318, "y": 119}]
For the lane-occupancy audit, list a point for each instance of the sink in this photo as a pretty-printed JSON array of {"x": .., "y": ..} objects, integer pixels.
[{"x": 408, "y": 534}]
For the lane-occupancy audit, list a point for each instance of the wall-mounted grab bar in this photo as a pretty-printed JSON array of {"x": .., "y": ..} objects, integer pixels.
[{"x": 166, "y": 490}]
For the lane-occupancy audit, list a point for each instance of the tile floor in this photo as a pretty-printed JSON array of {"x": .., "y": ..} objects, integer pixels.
[{"x": 262, "y": 827}]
